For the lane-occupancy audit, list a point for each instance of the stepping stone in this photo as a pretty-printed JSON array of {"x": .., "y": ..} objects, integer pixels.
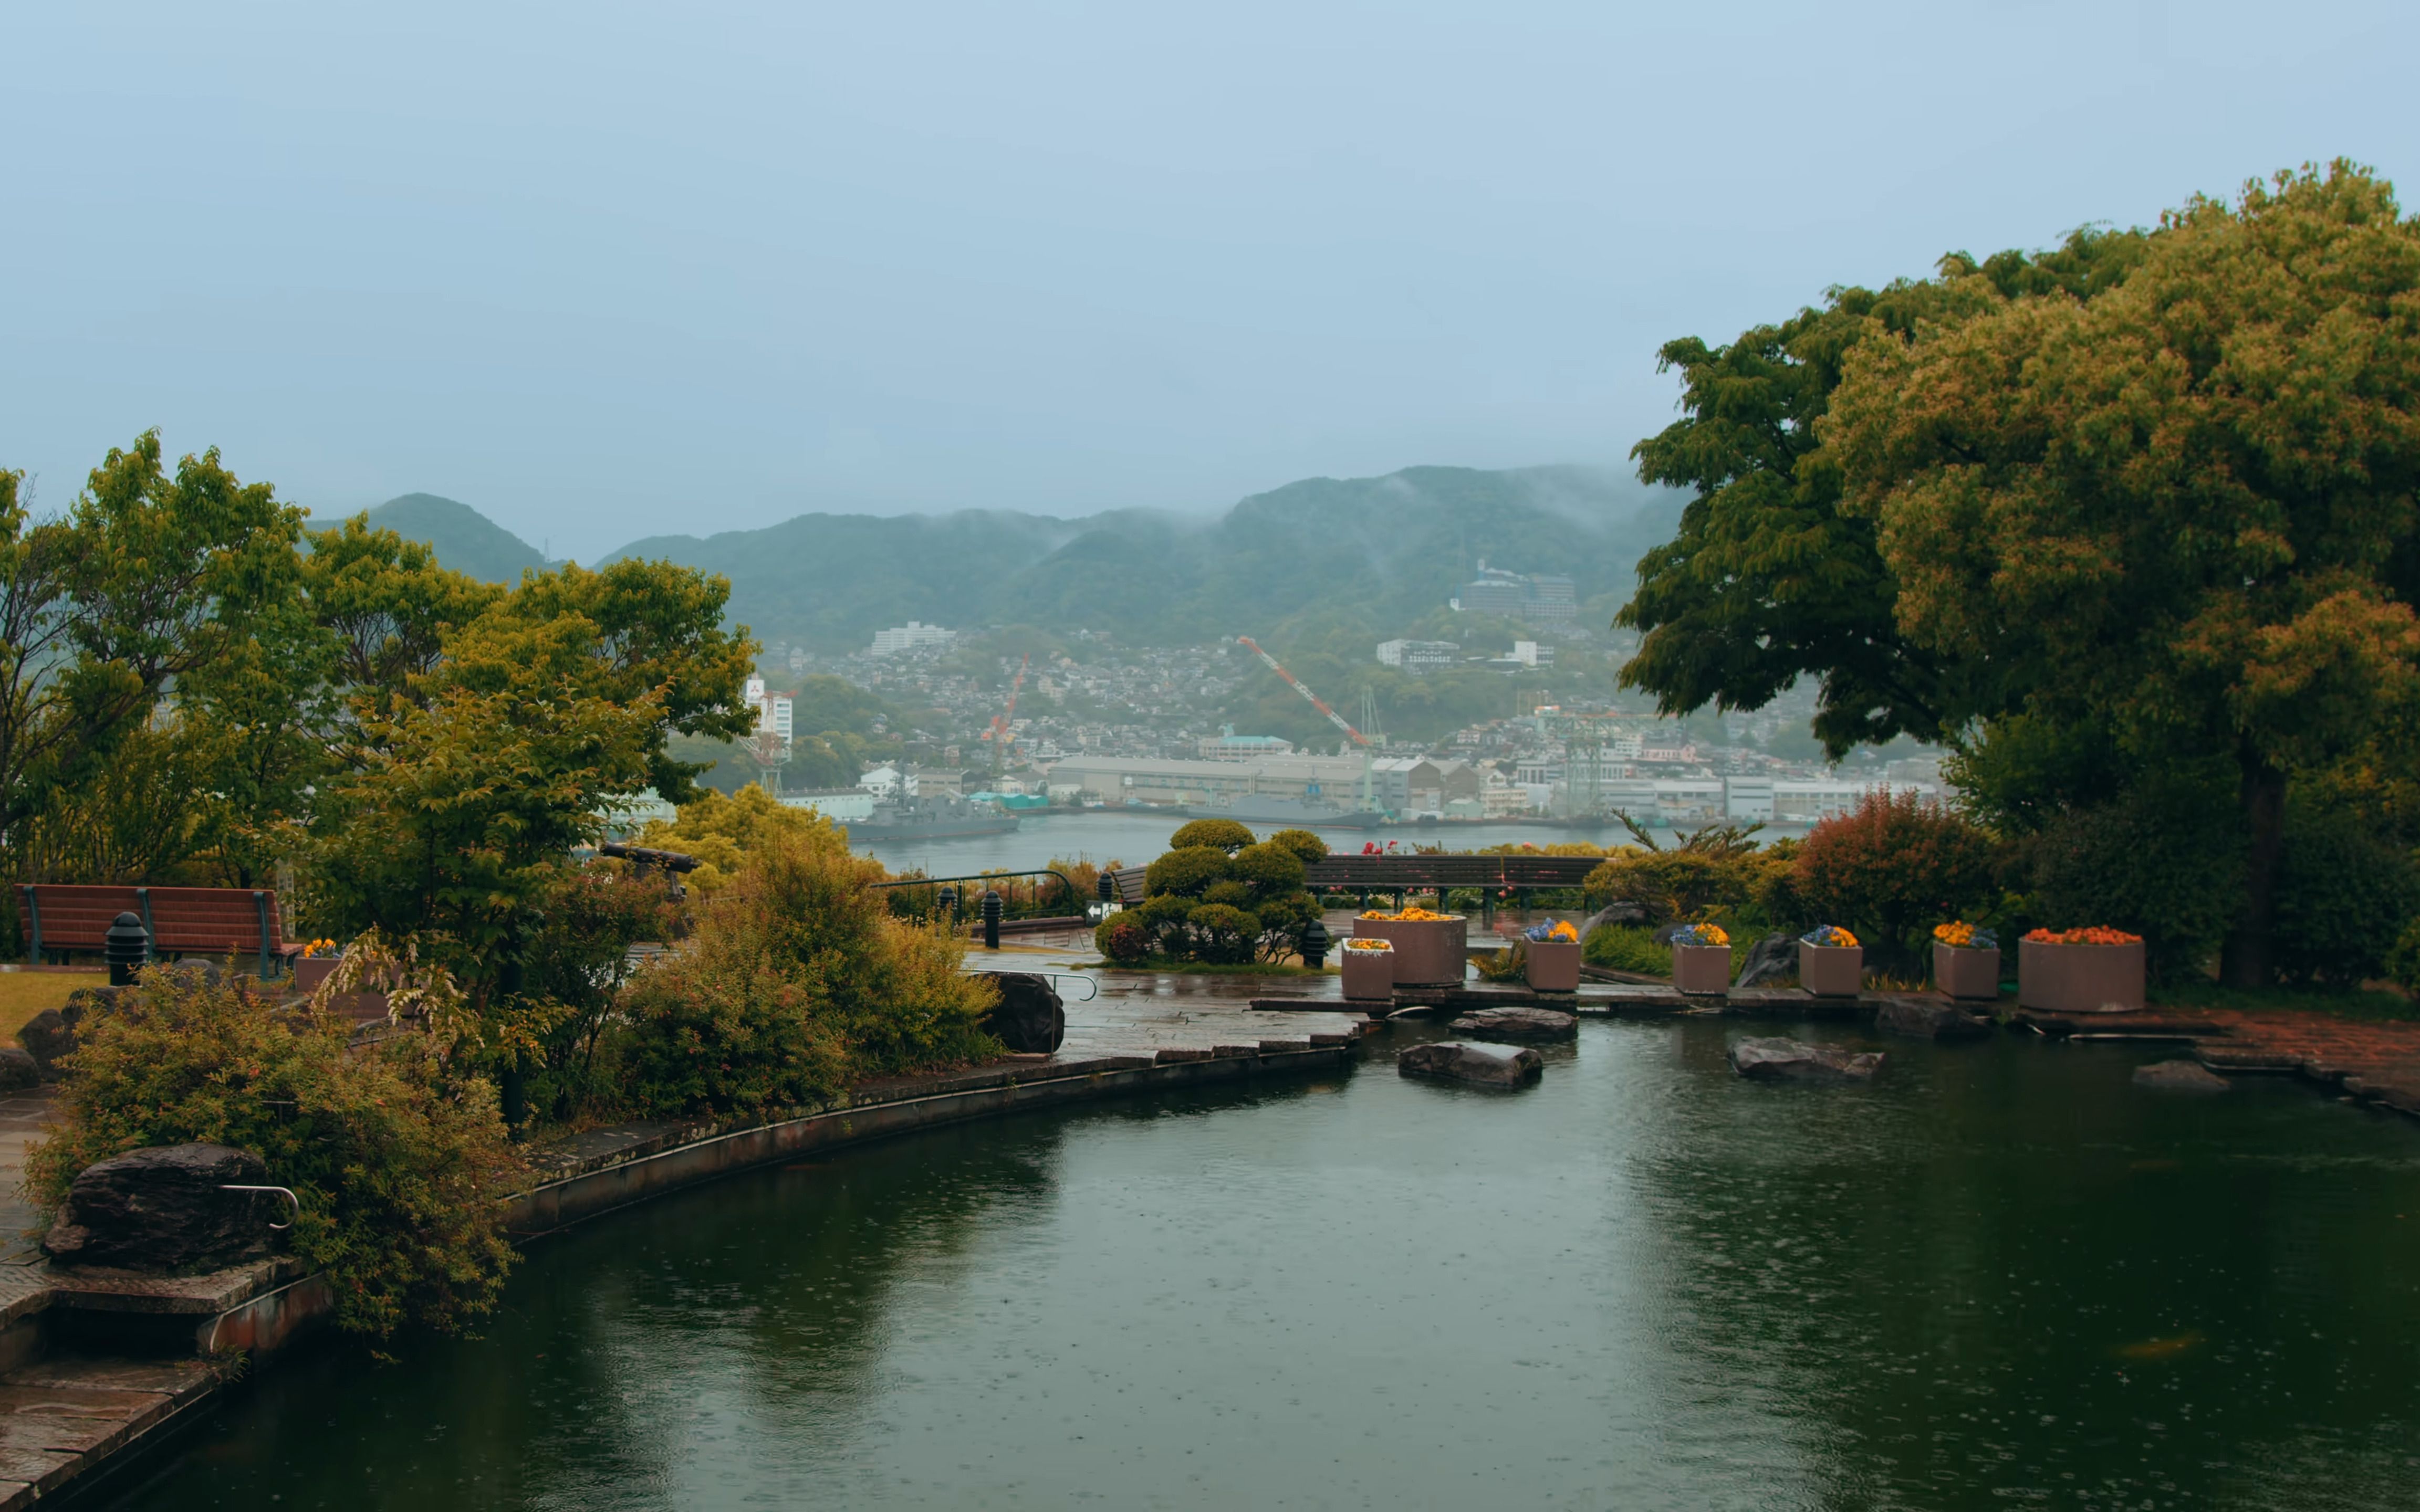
[
  {"x": 1475, "y": 1065},
  {"x": 1929, "y": 1018},
  {"x": 1792, "y": 1061},
  {"x": 2179, "y": 1077},
  {"x": 1518, "y": 1024}
]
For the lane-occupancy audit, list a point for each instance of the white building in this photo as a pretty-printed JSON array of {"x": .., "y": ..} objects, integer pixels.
[
  {"x": 839, "y": 805},
  {"x": 772, "y": 709},
  {"x": 910, "y": 636},
  {"x": 888, "y": 783},
  {"x": 1417, "y": 655}
]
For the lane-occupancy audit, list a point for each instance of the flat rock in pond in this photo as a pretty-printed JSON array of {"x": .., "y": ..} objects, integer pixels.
[
  {"x": 1517, "y": 1024},
  {"x": 1478, "y": 1065},
  {"x": 1792, "y": 1060},
  {"x": 1929, "y": 1018},
  {"x": 2179, "y": 1077},
  {"x": 164, "y": 1209}
]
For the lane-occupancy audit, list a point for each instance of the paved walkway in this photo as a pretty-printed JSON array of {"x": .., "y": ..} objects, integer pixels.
[
  {"x": 2369, "y": 1059},
  {"x": 21, "y": 1116}
]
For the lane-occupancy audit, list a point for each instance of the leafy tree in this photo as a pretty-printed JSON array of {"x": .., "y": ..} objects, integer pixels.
[
  {"x": 1893, "y": 868},
  {"x": 1222, "y": 834},
  {"x": 2181, "y": 511},
  {"x": 1769, "y": 577},
  {"x": 1186, "y": 871}
]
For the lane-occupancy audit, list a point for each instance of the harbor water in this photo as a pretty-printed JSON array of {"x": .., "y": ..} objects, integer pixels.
[{"x": 2002, "y": 1276}]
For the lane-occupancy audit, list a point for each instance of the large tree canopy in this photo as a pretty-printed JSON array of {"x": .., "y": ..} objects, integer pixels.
[{"x": 2145, "y": 502}]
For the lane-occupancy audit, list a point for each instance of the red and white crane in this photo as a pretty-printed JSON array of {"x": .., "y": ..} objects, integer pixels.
[
  {"x": 1321, "y": 705},
  {"x": 999, "y": 735}
]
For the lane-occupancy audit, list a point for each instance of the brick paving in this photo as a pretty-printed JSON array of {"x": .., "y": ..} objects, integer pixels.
[{"x": 2377, "y": 1061}]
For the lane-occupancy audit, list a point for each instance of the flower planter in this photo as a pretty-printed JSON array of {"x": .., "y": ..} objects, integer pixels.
[
  {"x": 2079, "y": 979},
  {"x": 1702, "y": 968},
  {"x": 1555, "y": 966},
  {"x": 1369, "y": 975},
  {"x": 1832, "y": 970},
  {"x": 1966, "y": 973},
  {"x": 311, "y": 970},
  {"x": 1429, "y": 952}
]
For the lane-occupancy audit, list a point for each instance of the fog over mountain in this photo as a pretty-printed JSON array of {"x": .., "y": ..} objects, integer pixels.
[{"x": 1388, "y": 551}]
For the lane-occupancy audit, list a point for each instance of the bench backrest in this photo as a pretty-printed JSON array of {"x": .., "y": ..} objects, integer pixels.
[
  {"x": 214, "y": 921},
  {"x": 1386, "y": 872},
  {"x": 1126, "y": 881}
]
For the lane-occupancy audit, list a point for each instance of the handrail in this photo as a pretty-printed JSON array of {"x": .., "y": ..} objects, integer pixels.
[
  {"x": 294, "y": 1204},
  {"x": 987, "y": 876}
]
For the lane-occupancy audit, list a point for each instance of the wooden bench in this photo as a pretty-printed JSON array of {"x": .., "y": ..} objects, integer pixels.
[
  {"x": 209, "y": 921},
  {"x": 1397, "y": 873},
  {"x": 1125, "y": 885}
]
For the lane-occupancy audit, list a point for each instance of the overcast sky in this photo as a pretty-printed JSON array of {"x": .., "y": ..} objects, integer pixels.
[{"x": 608, "y": 270}]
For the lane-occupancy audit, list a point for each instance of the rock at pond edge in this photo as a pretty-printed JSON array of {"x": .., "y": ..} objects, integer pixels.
[
  {"x": 1518, "y": 1024},
  {"x": 2179, "y": 1077},
  {"x": 163, "y": 1209},
  {"x": 1929, "y": 1018}
]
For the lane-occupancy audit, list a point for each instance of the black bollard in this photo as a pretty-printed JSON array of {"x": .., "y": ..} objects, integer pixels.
[
  {"x": 127, "y": 947},
  {"x": 991, "y": 912},
  {"x": 948, "y": 900},
  {"x": 1314, "y": 944}
]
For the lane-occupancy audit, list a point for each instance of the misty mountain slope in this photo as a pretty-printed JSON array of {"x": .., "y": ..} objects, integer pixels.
[
  {"x": 1377, "y": 553},
  {"x": 464, "y": 540},
  {"x": 830, "y": 580}
]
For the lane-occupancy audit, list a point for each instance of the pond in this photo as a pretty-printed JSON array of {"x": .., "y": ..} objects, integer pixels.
[{"x": 2002, "y": 1276}]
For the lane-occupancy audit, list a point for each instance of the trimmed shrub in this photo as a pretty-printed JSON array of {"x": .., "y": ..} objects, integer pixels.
[
  {"x": 1123, "y": 940},
  {"x": 1224, "y": 935},
  {"x": 796, "y": 983},
  {"x": 1164, "y": 918},
  {"x": 398, "y": 1168},
  {"x": 1217, "y": 834},
  {"x": 1305, "y": 844},
  {"x": 1892, "y": 870},
  {"x": 1271, "y": 870},
  {"x": 1282, "y": 920},
  {"x": 1189, "y": 872},
  {"x": 1671, "y": 885}
]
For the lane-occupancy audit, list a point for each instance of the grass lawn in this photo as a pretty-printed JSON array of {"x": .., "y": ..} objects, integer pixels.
[
  {"x": 24, "y": 994},
  {"x": 2368, "y": 1003}
]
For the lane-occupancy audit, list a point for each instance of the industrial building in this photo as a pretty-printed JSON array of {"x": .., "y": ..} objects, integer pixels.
[
  {"x": 1117, "y": 779},
  {"x": 909, "y": 636},
  {"x": 1546, "y": 600},
  {"x": 1417, "y": 655}
]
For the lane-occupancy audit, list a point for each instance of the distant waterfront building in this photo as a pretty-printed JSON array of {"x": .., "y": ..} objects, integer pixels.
[
  {"x": 909, "y": 636},
  {"x": 1547, "y": 600},
  {"x": 1120, "y": 779},
  {"x": 839, "y": 805},
  {"x": 1226, "y": 746},
  {"x": 1417, "y": 655}
]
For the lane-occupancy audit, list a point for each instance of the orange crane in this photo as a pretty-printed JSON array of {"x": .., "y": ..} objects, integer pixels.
[
  {"x": 1001, "y": 737},
  {"x": 1321, "y": 705}
]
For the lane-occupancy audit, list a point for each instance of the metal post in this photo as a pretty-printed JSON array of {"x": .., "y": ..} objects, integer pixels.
[
  {"x": 948, "y": 900},
  {"x": 991, "y": 911},
  {"x": 126, "y": 947}
]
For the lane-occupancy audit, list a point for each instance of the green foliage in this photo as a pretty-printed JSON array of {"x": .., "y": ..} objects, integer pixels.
[
  {"x": 1270, "y": 870},
  {"x": 574, "y": 964},
  {"x": 1124, "y": 940},
  {"x": 796, "y": 983},
  {"x": 399, "y": 1170},
  {"x": 1678, "y": 886},
  {"x": 1220, "y": 834},
  {"x": 722, "y": 832},
  {"x": 1893, "y": 868},
  {"x": 1223, "y": 934},
  {"x": 1187, "y": 873},
  {"x": 1304, "y": 845},
  {"x": 2344, "y": 896},
  {"x": 2156, "y": 861}
]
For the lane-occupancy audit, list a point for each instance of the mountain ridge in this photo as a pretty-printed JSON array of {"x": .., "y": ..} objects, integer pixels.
[{"x": 1384, "y": 552}]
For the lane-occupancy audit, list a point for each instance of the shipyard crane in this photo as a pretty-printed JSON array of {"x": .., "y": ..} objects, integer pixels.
[
  {"x": 1321, "y": 705},
  {"x": 1001, "y": 737}
]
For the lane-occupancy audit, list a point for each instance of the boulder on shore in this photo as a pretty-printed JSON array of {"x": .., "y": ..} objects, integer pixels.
[
  {"x": 1929, "y": 1018},
  {"x": 1030, "y": 1018},
  {"x": 18, "y": 1070},
  {"x": 1769, "y": 960},
  {"x": 1518, "y": 1024},
  {"x": 1792, "y": 1061},
  {"x": 2179, "y": 1077},
  {"x": 164, "y": 1209},
  {"x": 1476, "y": 1065}
]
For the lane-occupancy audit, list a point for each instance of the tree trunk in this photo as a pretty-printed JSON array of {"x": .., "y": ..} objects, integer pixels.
[{"x": 2248, "y": 959}]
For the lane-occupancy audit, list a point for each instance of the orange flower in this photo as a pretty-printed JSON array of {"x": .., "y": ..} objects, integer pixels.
[{"x": 2090, "y": 934}]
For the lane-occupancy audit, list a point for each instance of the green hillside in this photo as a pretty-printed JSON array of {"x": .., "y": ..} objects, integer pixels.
[
  {"x": 1381, "y": 553},
  {"x": 464, "y": 539}
]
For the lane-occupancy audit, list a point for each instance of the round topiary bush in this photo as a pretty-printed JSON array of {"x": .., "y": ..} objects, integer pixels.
[
  {"x": 1122, "y": 939},
  {"x": 1223, "y": 934},
  {"x": 1272, "y": 870},
  {"x": 1218, "y": 834},
  {"x": 1186, "y": 873},
  {"x": 1302, "y": 842}
]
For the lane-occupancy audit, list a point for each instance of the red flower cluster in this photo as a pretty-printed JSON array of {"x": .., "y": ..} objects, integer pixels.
[{"x": 2091, "y": 935}]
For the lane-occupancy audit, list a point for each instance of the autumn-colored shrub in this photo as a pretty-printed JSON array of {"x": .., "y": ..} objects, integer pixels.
[{"x": 1891, "y": 869}]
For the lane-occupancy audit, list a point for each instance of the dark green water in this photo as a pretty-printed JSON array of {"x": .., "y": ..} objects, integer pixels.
[{"x": 2001, "y": 1276}]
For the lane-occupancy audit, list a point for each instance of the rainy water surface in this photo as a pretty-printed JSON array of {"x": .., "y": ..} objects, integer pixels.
[{"x": 2002, "y": 1276}]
